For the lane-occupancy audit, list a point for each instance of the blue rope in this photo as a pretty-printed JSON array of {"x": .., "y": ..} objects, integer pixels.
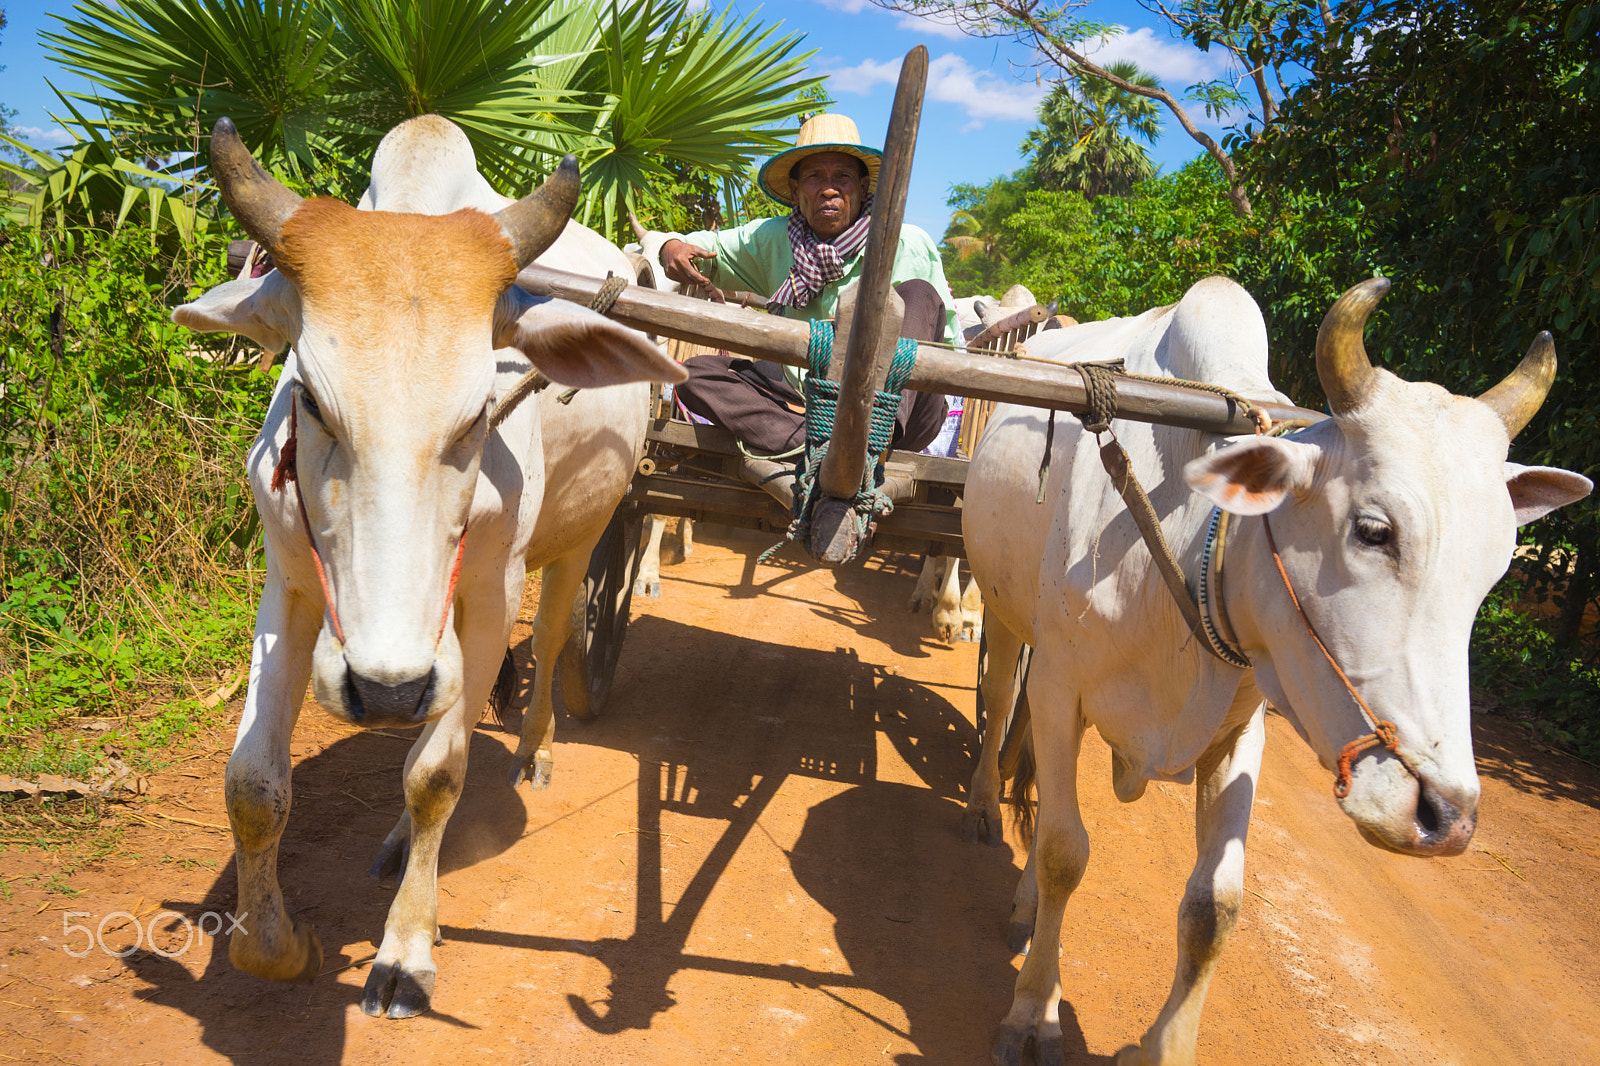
[{"x": 822, "y": 403}]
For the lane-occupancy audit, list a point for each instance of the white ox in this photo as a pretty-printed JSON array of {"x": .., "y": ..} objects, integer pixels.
[
  {"x": 1393, "y": 519},
  {"x": 410, "y": 514}
]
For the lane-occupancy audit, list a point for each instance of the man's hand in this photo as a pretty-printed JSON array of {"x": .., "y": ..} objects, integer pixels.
[{"x": 676, "y": 261}]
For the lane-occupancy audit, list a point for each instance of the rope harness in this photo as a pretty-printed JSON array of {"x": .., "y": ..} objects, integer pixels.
[
  {"x": 1100, "y": 384},
  {"x": 822, "y": 401}
]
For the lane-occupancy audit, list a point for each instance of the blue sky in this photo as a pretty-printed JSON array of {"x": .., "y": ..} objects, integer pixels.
[{"x": 979, "y": 104}]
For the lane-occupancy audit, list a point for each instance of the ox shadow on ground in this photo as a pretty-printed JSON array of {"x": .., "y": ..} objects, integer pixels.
[{"x": 346, "y": 798}]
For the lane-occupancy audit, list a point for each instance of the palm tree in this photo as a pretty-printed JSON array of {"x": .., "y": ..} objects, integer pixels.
[
  {"x": 1084, "y": 141},
  {"x": 313, "y": 84}
]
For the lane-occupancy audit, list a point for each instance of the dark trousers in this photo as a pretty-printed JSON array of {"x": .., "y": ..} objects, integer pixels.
[{"x": 752, "y": 400}]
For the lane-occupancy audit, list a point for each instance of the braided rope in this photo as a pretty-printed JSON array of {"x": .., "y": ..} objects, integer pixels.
[{"x": 822, "y": 402}]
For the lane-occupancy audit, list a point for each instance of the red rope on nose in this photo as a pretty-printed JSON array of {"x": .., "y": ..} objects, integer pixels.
[
  {"x": 287, "y": 471},
  {"x": 1384, "y": 734},
  {"x": 455, "y": 574}
]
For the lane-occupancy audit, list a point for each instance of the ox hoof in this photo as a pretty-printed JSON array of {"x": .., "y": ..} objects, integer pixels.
[
  {"x": 1018, "y": 934},
  {"x": 392, "y": 859},
  {"x": 393, "y": 993},
  {"x": 299, "y": 965},
  {"x": 1048, "y": 1048},
  {"x": 647, "y": 586},
  {"x": 536, "y": 772},
  {"x": 980, "y": 823}
]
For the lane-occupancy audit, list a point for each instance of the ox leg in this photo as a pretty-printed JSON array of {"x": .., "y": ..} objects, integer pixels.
[
  {"x": 947, "y": 611},
  {"x": 1226, "y": 777},
  {"x": 686, "y": 535},
  {"x": 981, "y": 819},
  {"x": 257, "y": 787},
  {"x": 401, "y": 982},
  {"x": 558, "y": 587},
  {"x": 648, "y": 581},
  {"x": 972, "y": 612},
  {"x": 1024, "y": 904},
  {"x": 394, "y": 854},
  {"x": 926, "y": 592},
  {"x": 1060, "y": 855},
  {"x": 402, "y": 978}
]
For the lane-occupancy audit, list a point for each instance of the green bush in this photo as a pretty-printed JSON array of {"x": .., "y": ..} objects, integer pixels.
[
  {"x": 129, "y": 544},
  {"x": 1518, "y": 663}
]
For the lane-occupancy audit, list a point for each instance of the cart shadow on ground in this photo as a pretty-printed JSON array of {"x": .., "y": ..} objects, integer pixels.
[{"x": 918, "y": 915}]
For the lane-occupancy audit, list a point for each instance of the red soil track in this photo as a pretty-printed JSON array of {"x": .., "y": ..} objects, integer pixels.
[{"x": 753, "y": 856}]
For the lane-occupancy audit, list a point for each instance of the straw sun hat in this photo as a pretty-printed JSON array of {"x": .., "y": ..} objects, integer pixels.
[{"x": 820, "y": 133}]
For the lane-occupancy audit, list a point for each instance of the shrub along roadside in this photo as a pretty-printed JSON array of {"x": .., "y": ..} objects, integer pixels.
[{"x": 129, "y": 546}]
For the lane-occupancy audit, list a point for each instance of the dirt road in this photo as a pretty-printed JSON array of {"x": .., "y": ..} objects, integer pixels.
[{"x": 753, "y": 857}]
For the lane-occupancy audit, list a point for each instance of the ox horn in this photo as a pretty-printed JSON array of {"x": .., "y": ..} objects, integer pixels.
[
  {"x": 533, "y": 223},
  {"x": 1517, "y": 398},
  {"x": 1342, "y": 364},
  {"x": 638, "y": 230},
  {"x": 258, "y": 200}
]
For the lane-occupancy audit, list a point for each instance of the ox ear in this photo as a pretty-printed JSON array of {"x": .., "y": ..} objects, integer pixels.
[
  {"x": 265, "y": 309},
  {"x": 1538, "y": 490},
  {"x": 576, "y": 347},
  {"x": 1255, "y": 475}
]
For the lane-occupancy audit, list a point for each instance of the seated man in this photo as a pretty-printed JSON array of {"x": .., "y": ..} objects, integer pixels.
[{"x": 803, "y": 261}]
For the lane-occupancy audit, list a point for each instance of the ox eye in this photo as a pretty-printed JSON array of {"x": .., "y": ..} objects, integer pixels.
[
  {"x": 1373, "y": 532},
  {"x": 313, "y": 408}
]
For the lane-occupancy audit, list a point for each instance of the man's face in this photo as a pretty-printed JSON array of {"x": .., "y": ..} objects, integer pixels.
[{"x": 828, "y": 189}]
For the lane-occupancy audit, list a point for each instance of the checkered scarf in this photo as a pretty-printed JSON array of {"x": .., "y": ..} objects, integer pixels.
[{"x": 817, "y": 263}]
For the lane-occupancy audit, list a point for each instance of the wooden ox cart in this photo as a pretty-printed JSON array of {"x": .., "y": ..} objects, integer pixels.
[{"x": 699, "y": 471}]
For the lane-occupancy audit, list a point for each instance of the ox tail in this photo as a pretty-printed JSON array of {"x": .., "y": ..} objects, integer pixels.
[
  {"x": 1020, "y": 794},
  {"x": 506, "y": 683}
]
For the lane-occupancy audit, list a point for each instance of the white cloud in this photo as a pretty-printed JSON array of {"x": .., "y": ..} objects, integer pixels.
[
  {"x": 979, "y": 93},
  {"x": 692, "y": 6},
  {"x": 951, "y": 80},
  {"x": 1177, "y": 63},
  {"x": 862, "y": 78},
  {"x": 849, "y": 7},
  {"x": 941, "y": 25},
  {"x": 54, "y": 137}
]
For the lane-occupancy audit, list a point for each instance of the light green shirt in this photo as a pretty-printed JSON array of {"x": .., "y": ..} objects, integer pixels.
[{"x": 757, "y": 257}]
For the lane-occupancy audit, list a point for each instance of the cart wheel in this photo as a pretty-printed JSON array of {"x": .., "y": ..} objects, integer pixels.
[
  {"x": 1015, "y": 721},
  {"x": 588, "y": 662}
]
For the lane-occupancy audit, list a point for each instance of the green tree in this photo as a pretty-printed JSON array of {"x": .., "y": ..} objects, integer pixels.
[
  {"x": 1468, "y": 138},
  {"x": 1262, "y": 39},
  {"x": 975, "y": 248},
  {"x": 630, "y": 87},
  {"x": 1085, "y": 137}
]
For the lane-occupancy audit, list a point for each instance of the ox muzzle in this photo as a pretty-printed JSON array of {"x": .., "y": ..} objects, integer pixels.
[
  {"x": 1424, "y": 813},
  {"x": 368, "y": 702}
]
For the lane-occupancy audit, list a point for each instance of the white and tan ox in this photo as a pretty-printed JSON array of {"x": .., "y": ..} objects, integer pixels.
[
  {"x": 396, "y": 560},
  {"x": 1393, "y": 519}
]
